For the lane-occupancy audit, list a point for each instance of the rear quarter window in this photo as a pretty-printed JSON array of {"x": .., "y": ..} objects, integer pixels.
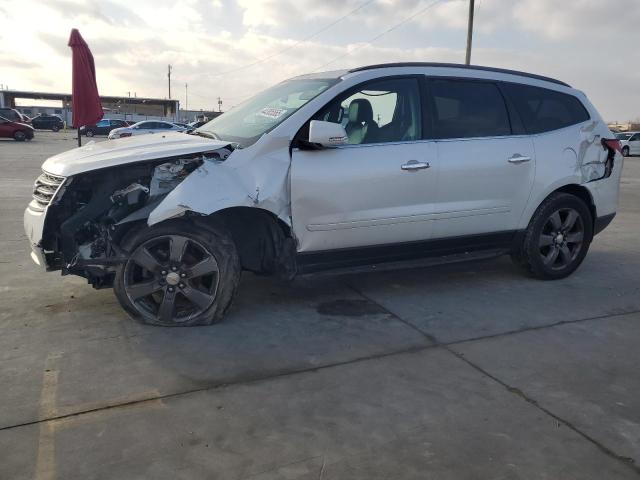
[{"x": 543, "y": 110}]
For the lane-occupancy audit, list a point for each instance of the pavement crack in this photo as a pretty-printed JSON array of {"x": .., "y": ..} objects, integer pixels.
[
  {"x": 426, "y": 335},
  {"x": 220, "y": 385},
  {"x": 627, "y": 461}
]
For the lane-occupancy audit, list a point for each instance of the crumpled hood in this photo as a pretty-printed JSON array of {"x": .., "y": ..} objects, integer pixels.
[{"x": 110, "y": 153}]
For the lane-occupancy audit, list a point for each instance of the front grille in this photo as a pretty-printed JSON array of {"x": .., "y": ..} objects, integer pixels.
[{"x": 44, "y": 190}]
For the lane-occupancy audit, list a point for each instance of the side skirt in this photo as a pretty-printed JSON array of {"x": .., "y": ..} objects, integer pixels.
[{"x": 446, "y": 250}]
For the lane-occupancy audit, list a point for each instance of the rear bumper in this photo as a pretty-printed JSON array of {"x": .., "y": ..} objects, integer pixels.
[{"x": 602, "y": 222}]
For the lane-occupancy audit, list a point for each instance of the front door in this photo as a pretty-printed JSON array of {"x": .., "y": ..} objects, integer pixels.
[{"x": 379, "y": 189}]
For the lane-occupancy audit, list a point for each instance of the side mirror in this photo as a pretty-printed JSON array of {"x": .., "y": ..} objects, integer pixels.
[{"x": 327, "y": 134}]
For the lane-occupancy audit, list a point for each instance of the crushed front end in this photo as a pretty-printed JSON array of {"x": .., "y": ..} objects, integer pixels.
[{"x": 75, "y": 224}]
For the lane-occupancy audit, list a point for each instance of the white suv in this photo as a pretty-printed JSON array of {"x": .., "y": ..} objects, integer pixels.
[{"x": 336, "y": 170}]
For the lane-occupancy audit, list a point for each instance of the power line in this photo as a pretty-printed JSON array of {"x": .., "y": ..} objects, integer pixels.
[
  {"x": 380, "y": 35},
  {"x": 286, "y": 49}
]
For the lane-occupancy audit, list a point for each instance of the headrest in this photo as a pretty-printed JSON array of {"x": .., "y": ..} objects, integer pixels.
[{"x": 360, "y": 111}]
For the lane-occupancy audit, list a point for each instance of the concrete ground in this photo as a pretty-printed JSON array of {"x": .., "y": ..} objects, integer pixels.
[{"x": 465, "y": 371}]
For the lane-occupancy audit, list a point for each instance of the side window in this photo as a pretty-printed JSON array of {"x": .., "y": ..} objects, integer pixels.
[
  {"x": 544, "y": 110},
  {"x": 466, "y": 109},
  {"x": 102, "y": 123},
  {"x": 379, "y": 111},
  {"x": 635, "y": 138},
  {"x": 163, "y": 126}
]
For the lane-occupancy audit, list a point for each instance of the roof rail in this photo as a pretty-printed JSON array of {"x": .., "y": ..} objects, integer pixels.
[{"x": 459, "y": 65}]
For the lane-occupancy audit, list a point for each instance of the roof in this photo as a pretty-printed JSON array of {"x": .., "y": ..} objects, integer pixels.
[{"x": 459, "y": 65}]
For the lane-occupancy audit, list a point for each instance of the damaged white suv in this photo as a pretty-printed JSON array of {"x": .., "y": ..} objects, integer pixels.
[{"x": 337, "y": 170}]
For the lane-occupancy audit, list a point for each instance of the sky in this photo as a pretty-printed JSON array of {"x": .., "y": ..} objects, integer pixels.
[{"x": 234, "y": 48}]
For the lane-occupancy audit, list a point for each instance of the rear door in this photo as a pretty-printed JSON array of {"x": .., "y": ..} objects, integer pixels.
[
  {"x": 379, "y": 189},
  {"x": 486, "y": 162}
]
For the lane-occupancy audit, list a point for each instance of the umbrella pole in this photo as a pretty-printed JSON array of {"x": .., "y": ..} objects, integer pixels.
[{"x": 79, "y": 140}]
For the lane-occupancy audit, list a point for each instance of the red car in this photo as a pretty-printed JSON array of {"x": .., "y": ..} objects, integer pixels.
[{"x": 16, "y": 130}]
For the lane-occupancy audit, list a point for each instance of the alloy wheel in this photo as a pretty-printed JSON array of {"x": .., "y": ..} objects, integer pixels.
[
  {"x": 561, "y": 238},
  {"x": 171, "y": 278}
]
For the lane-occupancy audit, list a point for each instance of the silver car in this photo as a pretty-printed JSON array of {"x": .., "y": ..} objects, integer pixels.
[
  {"x": 335, "y": 170},
  {"x": 145, "y": 127}
]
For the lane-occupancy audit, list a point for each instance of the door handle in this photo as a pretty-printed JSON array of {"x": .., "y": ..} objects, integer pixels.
[
  {"x": 517, "y": 158},
  {"x": 413, "y": 165}
]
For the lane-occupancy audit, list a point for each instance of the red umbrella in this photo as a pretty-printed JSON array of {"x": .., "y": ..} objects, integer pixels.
[{"x": 85, "y": 100}]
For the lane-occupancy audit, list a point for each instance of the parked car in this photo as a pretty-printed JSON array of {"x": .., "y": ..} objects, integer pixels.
[
  {"x": 103, "y": 127},
  {"x": 630, "y": 142},
  {"x": 197, "y": 124},
  {"x": 47, "y": 122},
  {"x": 17, "y": 130},
  {"x": 11, "y": 114},
  {"x": 335, "y": 170},
  {"x": 146, "y": 126}
]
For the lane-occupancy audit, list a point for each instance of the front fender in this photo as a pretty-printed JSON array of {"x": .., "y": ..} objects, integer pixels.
[{"x": 216, "y": 185}]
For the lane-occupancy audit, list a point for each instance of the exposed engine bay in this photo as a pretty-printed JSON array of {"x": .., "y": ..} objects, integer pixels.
[{"x": 93, "y": 211}]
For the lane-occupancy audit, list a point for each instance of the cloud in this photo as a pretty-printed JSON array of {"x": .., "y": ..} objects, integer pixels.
[{"x": 232, "y": 48}]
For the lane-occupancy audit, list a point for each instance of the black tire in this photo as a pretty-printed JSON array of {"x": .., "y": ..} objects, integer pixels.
[
  {"x": 19, "y": 136},
  {"x": 89, "y": 133},
  {"x": 202, "y": 244},
  {"x": 55, "y": 128},
  {"x": 625, "y": 151},
  {"x": 557, "y": 238}
]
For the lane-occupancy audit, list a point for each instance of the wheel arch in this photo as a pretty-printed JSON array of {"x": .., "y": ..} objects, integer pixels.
[
  {"x": 574, "y": 189},
  {"x": 264, "y": 242}
]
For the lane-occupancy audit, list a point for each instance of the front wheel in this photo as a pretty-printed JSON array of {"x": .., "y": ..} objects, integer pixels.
[
  {"x": 55, "y": 128},
  {"x": 19, "y": 136},
  {"x": 89, "y": 133},
  {"x": 178, "y": 274},
  {"x": 557, "y": 238}
]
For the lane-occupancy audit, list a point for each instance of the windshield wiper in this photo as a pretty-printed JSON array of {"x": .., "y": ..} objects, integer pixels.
[{"x": 206, "y": 134}]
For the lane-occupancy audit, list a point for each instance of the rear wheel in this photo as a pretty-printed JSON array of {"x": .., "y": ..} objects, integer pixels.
[
  {"x": 89, "y": 133},
  {"x": 55, "y": 128},
  {"x": 178, "y": 274},
  {"x": 19, "y": 136},
  {"x": 557, "y": 238},
  {"x": 625, "y": 151}
]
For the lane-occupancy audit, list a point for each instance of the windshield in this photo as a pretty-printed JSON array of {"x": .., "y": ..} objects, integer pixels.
[{"x": 247, "y": 122}]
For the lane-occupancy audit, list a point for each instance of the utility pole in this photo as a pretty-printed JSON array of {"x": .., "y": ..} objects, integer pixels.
[
  {"x": 219, "y": 104},
  {"x": 169, "y": 77},
  {"x": 469, "y": 32},
  {"x": 186, "y": 97}
]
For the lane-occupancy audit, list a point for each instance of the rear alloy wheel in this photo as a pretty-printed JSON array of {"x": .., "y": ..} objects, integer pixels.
[
  {"x": 179, "y": 275},
  {"x": 89, "y": 133},
  {"x": 625, "y": 151},
  {"x": 19, "y": 136},
  {"x": 55, "y": 128},
  {"x": 558, "y": 237}
]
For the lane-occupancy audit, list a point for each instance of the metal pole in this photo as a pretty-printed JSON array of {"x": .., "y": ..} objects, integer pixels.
[
  {"x": 186, "y": 97},
  {"x": 169, "y": 77},
  {"x": 469, "y": 32},
  {"x": 79, "y": 138}
]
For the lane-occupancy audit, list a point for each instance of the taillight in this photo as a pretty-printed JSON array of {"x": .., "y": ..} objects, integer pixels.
[
  {"x": 125, "y": 134},
  {"x": 613, "y": 144}
]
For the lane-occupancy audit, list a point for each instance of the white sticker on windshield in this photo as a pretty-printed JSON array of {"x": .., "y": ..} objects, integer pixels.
[{"x": 272, "y": 112}]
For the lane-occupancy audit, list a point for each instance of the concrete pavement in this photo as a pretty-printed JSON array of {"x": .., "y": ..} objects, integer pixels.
[{"x": 462, "y": 371}]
